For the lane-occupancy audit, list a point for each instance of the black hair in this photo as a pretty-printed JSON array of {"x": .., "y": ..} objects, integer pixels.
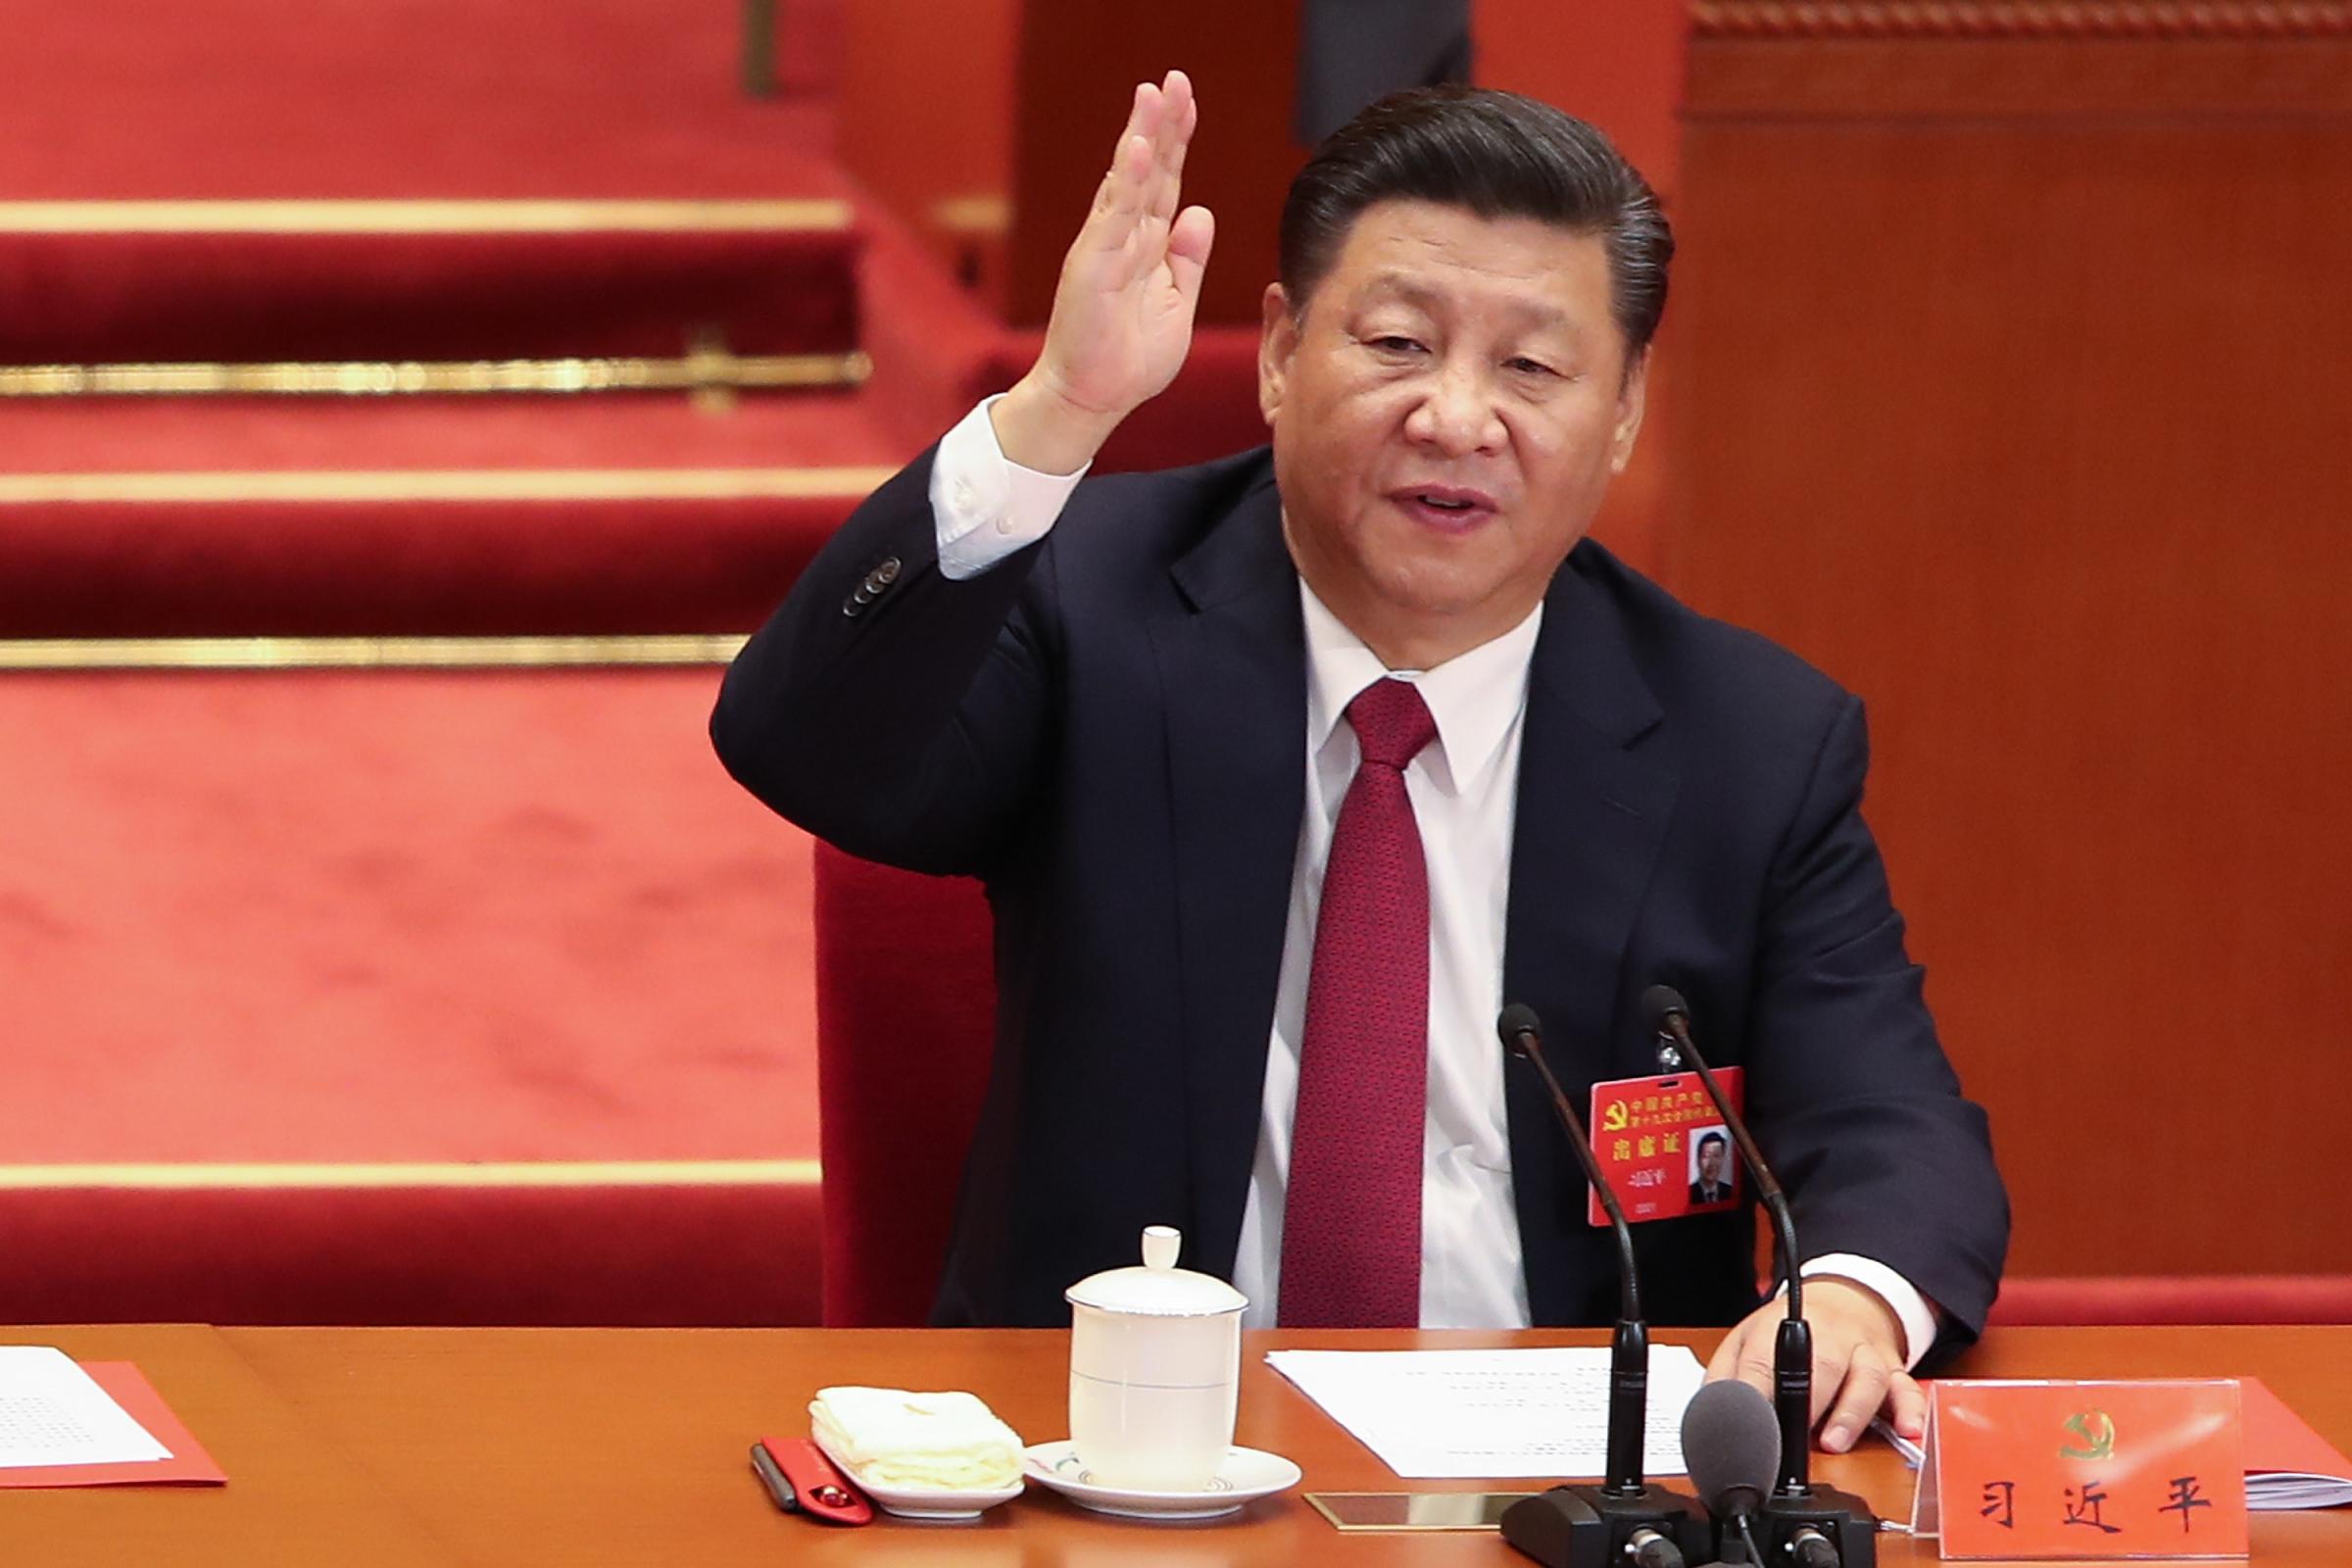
[
  {"x": 1494, "y": 154},
  {"x": 1710, "y": 1138}
]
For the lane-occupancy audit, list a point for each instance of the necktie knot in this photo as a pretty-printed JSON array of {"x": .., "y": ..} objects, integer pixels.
[{"x": 1391, "y": 722}]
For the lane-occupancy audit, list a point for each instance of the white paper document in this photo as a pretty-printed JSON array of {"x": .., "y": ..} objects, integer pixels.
[
  {"x": 1504, "y": 1414},
  {"x": 52, "y": 1412}
]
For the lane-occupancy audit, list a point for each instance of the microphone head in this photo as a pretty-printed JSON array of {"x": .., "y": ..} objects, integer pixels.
[
  {"x": 1732, "y": 1446},
  {"x": 1660, "y": 1002},
  {"x": 1516, "y": 1023}
]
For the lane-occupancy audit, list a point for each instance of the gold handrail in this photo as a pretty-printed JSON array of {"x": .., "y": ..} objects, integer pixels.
[
  {"x": 701, "y": 371},
  {"x": 531, "y": 215},
  {"x": 152, "y": 1176},
  {"x": 665, "y": 651}
]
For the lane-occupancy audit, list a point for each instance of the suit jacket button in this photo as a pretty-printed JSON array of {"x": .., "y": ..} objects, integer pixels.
[{"x": 886, "y": 573}]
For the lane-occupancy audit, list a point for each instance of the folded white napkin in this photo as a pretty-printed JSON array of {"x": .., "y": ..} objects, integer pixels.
[{"x": 897, "y": 1439}]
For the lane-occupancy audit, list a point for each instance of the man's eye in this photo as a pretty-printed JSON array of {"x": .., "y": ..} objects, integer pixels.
[
  {"x": 1393, "y": 344},
  {"x": 1526, "y": 367}
]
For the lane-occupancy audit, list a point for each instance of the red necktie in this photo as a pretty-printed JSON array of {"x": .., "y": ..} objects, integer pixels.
[{"x": 1352, "y": 1217}]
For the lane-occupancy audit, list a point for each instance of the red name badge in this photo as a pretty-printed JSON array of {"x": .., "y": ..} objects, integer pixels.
[
  {"x": 1663, "y": 1145},
  {"x": 2075, "y": 1470}
]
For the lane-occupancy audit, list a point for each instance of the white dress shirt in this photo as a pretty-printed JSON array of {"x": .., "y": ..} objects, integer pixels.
[{"x": 1464, "y": 791}]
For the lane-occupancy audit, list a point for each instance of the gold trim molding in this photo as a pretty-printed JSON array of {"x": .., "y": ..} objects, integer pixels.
[
  {"x": 707, "y": 370},
  {"x": 2021, "y": 18},
  {"x": 462, "y": 485},
  {"x": 153, "y": 653},
  {"x": 422, "y": 217},
  {"x": 535, "y": 1173}
]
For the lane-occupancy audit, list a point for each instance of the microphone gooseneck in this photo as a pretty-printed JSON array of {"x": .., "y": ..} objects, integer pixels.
[
  {"x": 1801, "y": 1524},
  {"x": 1628, "y": 1357},
  {"x": 1624, "y": 1520},
  {"x": 1792, "y": 1349},
  {"x": 1671, "y": 1021},
  {"x": 1523, "y": 1036}
]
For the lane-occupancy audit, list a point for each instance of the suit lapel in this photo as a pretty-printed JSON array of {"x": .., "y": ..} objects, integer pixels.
[
  {"x": 1590, "y": 816},
  {"x": 1232, "y": 674}
]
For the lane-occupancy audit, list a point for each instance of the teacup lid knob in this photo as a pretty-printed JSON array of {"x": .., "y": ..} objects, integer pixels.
[
  {"x": 1159, "y": 1289},
  {"x": 1162, "y": 1244}
]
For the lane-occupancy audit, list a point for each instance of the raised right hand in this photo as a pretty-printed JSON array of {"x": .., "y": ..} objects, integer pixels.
[{"x": 1122, "y": 317}]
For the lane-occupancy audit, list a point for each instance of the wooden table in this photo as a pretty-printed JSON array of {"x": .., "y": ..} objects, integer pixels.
[{"x": 491, "y": 1447}]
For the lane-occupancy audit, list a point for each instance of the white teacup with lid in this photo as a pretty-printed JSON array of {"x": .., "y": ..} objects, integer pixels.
[{"x": 1156, "y": 1367}]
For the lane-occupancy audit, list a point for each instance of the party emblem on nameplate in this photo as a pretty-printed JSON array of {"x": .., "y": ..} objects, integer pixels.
[
  {"x": 1664, "y": 1147},
  {"x": 2053, "y": 1469}
]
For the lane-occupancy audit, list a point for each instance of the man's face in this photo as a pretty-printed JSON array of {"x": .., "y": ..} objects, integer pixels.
[
  {"x": 1447, "y": 410},
  {"x": 1710, "y": 1163}
]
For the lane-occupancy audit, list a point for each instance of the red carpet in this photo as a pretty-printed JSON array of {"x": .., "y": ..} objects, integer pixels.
[
  {"x": 380, "y": 919},
  {"x": 393, "y": 917},
  {"x": 136, "y": 99},
  {"x": 798, "y": 430},
  {"x": 203, "y": 284},
  {"x": 580, "y": 516}
]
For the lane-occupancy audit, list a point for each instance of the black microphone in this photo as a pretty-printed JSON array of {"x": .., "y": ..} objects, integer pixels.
[
  {"x": 1731, "y": 1447},
  {"x": 1628, "y": 1360},
  {"x": 1792, "y": 1352},
  {"x": 1624, "y": 1519},
  {"x": 1800, "y": 1517}
]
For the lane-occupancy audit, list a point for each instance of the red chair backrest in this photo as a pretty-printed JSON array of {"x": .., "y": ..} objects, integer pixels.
[
  {"x": 2176, "y": 1298},
  {"x": 906, "y": 1014}
]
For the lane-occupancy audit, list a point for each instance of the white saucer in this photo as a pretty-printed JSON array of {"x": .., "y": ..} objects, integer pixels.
[
  {"x": 924, "y": 1503},
  {"x": 1246, "y": 1475}
]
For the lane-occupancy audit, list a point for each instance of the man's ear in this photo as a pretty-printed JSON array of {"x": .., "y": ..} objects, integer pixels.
[
  {"x": 1633, "y": 399},
  {"x": 1277, "y": 341}
]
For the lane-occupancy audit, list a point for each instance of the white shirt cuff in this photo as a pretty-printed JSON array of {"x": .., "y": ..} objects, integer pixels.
[
  {"x": 984, "y": 506},
  {"x": 1918, "y": 1317}
]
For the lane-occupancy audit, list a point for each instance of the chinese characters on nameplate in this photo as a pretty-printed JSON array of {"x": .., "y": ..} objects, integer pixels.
[{"x": 2077, "y": 1470}]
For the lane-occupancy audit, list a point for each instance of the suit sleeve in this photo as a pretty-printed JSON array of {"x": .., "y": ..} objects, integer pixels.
[
  {"x": 1855, "y": 1102},
  {"x": 888, "y": 708}
]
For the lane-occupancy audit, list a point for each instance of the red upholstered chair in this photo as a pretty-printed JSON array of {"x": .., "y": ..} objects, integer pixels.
[
  {"x": 2179, "y": 1299},
  {"x": 906, "y": 1004}
]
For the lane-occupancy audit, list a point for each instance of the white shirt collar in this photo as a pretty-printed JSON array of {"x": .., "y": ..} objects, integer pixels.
[{"x": 1474, "y": 697}]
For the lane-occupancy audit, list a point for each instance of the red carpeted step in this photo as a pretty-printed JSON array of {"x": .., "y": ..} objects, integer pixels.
[
  {"x": 240, "y": 518},
  {"x": 441, "y": 282},
  {"x": 350, "y": 919},
  {"x": 367, "y": 916},
  {"x": 629, "y": 1247},
  {"x": 144, "y": 99}
]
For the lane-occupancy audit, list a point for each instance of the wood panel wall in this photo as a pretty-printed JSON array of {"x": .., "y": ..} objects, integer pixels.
[
  {"x": 2013, "y": 355},
  {"x": 986, "y": 126}
]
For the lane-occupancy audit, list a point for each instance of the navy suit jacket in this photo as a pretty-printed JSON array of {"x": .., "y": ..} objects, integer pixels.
[{"x": 1109, "y": 730}]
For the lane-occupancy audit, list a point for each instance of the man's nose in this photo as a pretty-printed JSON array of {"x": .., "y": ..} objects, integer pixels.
[{"x": 1456, "y": 411}]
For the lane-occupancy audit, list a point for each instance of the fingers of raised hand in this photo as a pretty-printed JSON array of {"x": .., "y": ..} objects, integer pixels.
[
  {"x": 1179, "y": 114},
  {"x": 1131, "y": 173},
  {"x": 1189, "y": 242}
]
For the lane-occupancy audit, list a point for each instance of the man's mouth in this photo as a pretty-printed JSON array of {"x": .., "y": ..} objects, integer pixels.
[{"x": 1451, "y": 507}]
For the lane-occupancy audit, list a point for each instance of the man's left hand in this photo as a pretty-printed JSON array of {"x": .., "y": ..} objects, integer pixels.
[{"x": 1858, "y": 1360}]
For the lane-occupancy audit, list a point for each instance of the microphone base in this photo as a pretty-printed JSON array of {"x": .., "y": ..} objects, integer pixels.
[
  {"x": 1843, "y": 1517},
  {"x": 1586, "y": 1527}
]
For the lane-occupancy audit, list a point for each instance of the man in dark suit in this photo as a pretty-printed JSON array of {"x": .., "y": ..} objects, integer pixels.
[
  {"x": 1714, "y": 1184},
  {"x": 1283, "y": 772}
]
